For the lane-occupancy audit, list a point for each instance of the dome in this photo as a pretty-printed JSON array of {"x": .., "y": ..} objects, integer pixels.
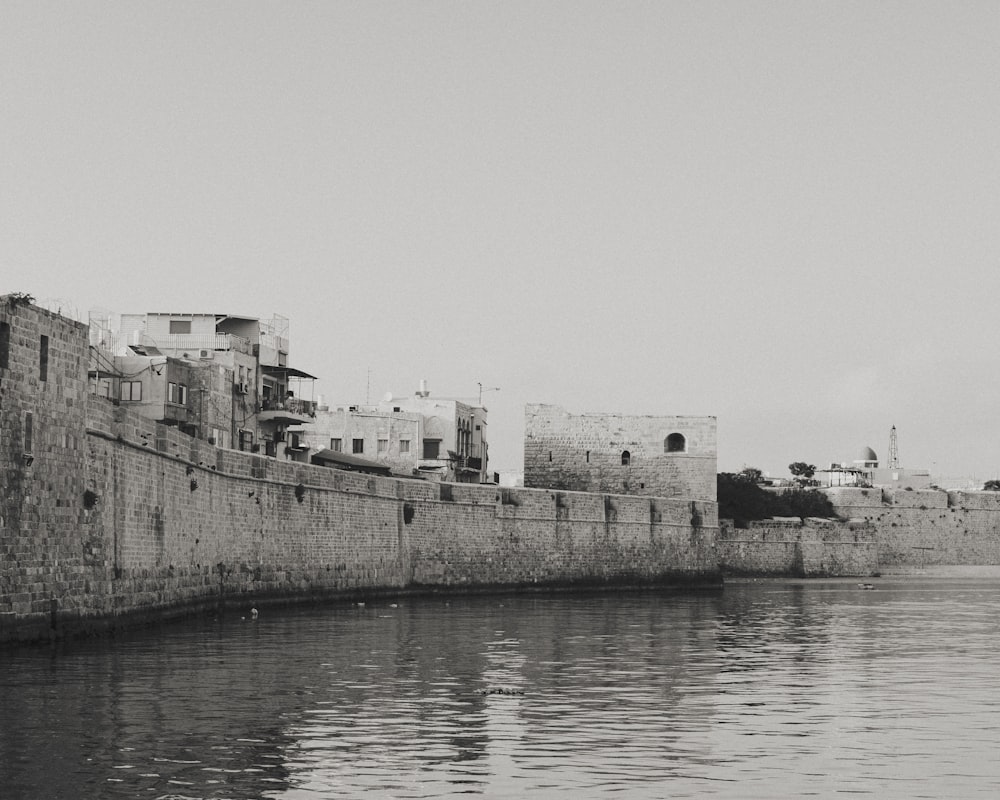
[{"x": 867, "y": 454}]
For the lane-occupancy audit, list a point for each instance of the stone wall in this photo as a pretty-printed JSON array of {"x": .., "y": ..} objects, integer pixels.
[
  {"x": 43, "y": 399},
  {"x": 802, "y": 548},
  {"x": 169, "y": 523},
  {"x": 156, "y": 523},
  {"x": 106, "y": 514},
  {"x": 618, "y": 453},
  {"x": 926, "y": 527}
]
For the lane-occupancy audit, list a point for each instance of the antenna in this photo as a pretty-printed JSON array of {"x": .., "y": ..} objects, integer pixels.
[
  {"x": 893, "y": 451},
  {"x": 488, "y": 389}
]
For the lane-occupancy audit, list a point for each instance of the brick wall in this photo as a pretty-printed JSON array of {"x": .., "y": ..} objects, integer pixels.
[{"x": 584, "y": 452}]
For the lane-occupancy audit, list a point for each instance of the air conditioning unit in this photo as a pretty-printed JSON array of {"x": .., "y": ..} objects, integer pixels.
[
  {"x": 242, "y": 388},
  {"x": 206, "y": 354}
]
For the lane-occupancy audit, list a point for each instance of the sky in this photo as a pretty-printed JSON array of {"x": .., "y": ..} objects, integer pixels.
[{"x": 781, "y": 214}]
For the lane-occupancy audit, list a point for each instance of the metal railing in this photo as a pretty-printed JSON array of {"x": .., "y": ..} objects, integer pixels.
[{"x": 293, "y": 404}]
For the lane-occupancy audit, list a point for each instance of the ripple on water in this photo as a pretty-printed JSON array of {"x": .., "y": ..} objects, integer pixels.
[{"x": 810, "y": 690}]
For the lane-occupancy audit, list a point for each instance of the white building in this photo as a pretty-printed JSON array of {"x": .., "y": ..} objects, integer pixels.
[{"x": 419, "y": 435}]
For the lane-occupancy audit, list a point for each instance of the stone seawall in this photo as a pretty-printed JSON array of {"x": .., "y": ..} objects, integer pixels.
[
  {"x": 926, "y": 527},
  {"x": 153, "y": 523},
  {"x": 800, "y": 548}
]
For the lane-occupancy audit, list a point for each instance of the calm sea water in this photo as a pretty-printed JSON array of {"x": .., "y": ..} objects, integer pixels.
[{"x": 768, "y": 689}]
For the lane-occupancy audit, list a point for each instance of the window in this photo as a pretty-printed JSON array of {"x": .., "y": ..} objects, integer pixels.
[
  {"x": 130, "y": 390},
  {"x": 180, "y": 326},
  {"x": 337, "y": 445},
  {"x": 29, "y": 433},
  {"x": 177, "y": 393},
  {"x": 626, "y": 458},
  {"x": 382, "y": 446},
  {"x": 432, "y": 447},
  {"x": 4, "y": 345},
  {"x": 404, "y": 446},
  {"x": 246, "y": 440},
  {"x": 674, "y": 443},
  {"x": 43, "y": 359},
  {"x": 358, "y": 445}
]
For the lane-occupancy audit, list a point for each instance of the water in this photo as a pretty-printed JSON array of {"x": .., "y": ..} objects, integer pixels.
[{"x": 769, "y": 689}]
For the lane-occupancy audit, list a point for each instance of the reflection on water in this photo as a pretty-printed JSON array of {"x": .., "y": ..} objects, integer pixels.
[{"x": 762, "y": 690}]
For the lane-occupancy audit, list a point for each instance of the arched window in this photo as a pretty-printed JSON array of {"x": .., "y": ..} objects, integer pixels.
[
  {"x": 674, "y": 443},
  {"x": 626, "y": 458}
]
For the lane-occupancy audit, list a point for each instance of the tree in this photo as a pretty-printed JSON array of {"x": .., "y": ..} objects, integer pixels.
[
  {"x": 803, "y": 473},
  {"x": 750, "y": 475},
  {"x": 742, "y": 500},
  {"x": 991, "y": 486}
]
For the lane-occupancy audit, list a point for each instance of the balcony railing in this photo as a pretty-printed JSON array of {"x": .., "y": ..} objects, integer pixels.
[
  {"x": 293, "y": 404},
  {"x": 194, "y": 344}
]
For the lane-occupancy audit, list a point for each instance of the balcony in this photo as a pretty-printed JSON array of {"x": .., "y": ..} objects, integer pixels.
[
  {"x": 202, "y": 345},
  {"x": 290, "y": 411}
]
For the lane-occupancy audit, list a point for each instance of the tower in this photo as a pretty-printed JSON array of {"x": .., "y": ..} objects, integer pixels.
[{"x": 893, "y": 452}]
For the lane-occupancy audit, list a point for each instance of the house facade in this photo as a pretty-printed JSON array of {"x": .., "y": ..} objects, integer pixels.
[
  {"x": 218, "y": 377},
  {"x": 422, "y": 436}
]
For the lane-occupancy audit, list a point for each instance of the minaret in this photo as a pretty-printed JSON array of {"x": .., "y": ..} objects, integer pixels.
[{"x": 893, "y": 452}]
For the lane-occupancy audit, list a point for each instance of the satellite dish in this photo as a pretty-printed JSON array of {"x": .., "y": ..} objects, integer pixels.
[{"x": 387, "y": 397}]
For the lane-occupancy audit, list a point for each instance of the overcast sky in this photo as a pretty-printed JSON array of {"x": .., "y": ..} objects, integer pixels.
[{"x": 782, "y": 214}]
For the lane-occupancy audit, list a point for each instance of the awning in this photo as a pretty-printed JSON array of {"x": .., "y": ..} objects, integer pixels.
[
  {"x": 288, "y": 372},
  {"x": 332, "y": 458}
]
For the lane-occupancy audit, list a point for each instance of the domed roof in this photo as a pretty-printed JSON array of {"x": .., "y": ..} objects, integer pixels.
[{"x": 867, "y": 454}]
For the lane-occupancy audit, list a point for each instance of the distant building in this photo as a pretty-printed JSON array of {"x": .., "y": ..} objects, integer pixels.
[
  {"x": 661, "y": 456},
  {"x": 419, "y": 435},
  {"x": 865, "y": 471},
  {"x": 218, "y": 377}
]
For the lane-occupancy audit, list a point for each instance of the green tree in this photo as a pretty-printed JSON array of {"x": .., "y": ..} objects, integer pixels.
[{"x": 992, "y": 486}]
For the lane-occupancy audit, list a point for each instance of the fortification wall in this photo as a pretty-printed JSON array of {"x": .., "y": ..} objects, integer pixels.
[
  {"x": 106, "y": 514},
  {"x": 157, "y": 523},
  {"x": 926, "y": 527},
  {"x": 803, "y": 548},
  {"x": 587, "y": 453}
]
